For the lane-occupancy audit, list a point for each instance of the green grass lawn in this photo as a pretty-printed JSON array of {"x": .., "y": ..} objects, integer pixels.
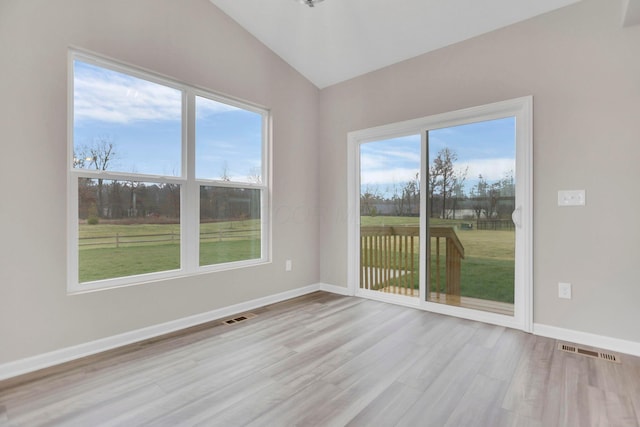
[
  {"x": 487, "y": 271},
  {"x": 107, "y": 263},
  {"x": 487, "y": 278},
  {"x": 149, "y": 248},
  {"x": 229, "y": 251}
]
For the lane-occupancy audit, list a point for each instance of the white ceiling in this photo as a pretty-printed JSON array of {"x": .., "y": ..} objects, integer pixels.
[{"x": 340, "y": 39}]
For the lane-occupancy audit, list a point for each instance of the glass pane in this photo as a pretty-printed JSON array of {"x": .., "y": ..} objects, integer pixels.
[
  {"x": 230, "y": 228},
  {"x": 125, "y": 124},
  {"x": 471, "y": 199},
  {"x": 127, "y": 228},
  {"x": 228, "y": 142},
  {"x": 390, "y": 215}
]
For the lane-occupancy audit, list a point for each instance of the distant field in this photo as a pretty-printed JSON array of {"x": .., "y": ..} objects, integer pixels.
[
  {"x": 115, "y": 250},
  {"x": 90, "y": 234}
]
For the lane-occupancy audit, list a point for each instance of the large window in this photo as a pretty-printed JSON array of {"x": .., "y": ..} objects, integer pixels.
[{"x": 165, "y": 179}]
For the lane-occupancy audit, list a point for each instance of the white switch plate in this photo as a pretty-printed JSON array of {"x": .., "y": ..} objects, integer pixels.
[
  {"x": 564, "y": 290},
  {"x": 571, "y": 198},
  {"x": 287, "y": 265}
]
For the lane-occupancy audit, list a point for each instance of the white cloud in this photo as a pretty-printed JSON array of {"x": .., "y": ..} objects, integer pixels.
[
  {"x": 409, "y": 156},
  {"x": 218, "y": 145},
  {"x": 112, "y": 97},
  {"x": 372, "y": 161},
  {"x": 206, "y": 107},
  {"x": 116, "y": 98},
  {"x": 387, "y": 159},
  {"x": 490, "y": 169},
  {"x": 388, "y": 176}
]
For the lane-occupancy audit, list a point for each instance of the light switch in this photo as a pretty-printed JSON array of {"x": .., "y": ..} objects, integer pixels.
[
  {"x": 571, "y": 198},
  {"x": 564, "y": 290}
]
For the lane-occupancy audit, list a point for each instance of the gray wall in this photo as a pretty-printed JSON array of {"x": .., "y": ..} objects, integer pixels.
[
  {"x": 189, "y": 40},
  {"x": 583, "y": 70}
]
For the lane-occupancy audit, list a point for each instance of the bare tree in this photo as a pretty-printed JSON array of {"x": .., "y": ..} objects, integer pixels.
[
  {"x": 171, "y": 193},
  {"x": 135, "y": 188},
  {"x": 443, "y": 168},
  {"x": 79, "y": 159},
  {"x": 99, "y": 156},
  {"x": 432, "y": 182},
  {"x": 224, "y": 174},
  {"x": 406, "y": 203},
  {"x": 478, "y": 196},
  {"x": 506, "y": 195},
  {"x": 254, "y": 176},
  {"x": 485, "y": 197},
  {"x": 457, "y": 190},
  {"x": 368, "y": 199}
]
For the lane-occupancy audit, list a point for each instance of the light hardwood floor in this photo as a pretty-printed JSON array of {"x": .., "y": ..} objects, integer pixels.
[{"x": 329, "y": 360}]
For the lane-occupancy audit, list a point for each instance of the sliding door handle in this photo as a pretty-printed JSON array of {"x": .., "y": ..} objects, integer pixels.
[{"x": 516, "y": 217}]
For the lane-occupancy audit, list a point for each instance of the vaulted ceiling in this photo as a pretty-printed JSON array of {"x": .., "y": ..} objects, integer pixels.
[{"x": 340, "y": 39}]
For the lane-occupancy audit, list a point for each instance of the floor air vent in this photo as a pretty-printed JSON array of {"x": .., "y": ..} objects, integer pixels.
[
  {"x": 570, "y": 348},
  {"x": 238, "y": 319}
]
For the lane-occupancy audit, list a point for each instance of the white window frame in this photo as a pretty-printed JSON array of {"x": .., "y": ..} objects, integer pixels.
[
  {"x": 190, "y": 186},
  {"x": 522, "y": 110}
]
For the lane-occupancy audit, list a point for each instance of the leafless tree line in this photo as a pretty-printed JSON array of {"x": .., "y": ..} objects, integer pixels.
[{"x": 446, "y": 193}]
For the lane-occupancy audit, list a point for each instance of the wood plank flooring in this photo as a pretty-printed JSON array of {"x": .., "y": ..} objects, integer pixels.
[{"x": 328, "y": 360}]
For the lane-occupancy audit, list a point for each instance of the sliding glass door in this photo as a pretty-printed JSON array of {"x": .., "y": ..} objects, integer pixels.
[
  {"x": 390, "y": 215},
  {"x": 471, "y": 190},
  {"x": 444, "y": 213}
]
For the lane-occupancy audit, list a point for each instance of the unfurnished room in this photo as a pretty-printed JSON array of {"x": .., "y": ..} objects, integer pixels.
[{"x": 320, "y": 213}]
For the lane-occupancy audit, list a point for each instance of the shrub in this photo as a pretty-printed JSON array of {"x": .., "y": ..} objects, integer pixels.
[{"x": 93, "y": 220}]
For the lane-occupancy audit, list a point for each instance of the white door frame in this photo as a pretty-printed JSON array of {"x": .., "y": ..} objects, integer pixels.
[{"x": 522, "y": 110}]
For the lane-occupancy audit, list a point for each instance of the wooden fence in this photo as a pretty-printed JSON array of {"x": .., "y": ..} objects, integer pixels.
[
  {"x": 118, "y": 240},
  {"x": 389, "y": 259},
  {"x": 495, "y": 224}
]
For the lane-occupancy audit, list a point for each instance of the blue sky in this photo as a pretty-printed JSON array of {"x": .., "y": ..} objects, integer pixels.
[
  {"x": 387, "y": 165},
  {"x": 486, "y": 148},
  {"x": 143, "y": 120}
]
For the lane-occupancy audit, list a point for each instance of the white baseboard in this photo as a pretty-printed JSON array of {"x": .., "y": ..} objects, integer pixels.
[
  {"x": 585, "y": 338},
  {"x": 340, "y": 290},
  {"x": 56, "y": 357}
]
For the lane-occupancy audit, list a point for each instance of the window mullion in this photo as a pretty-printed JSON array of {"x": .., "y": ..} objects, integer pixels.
[
  {"x": 191, "y": 201},
  {"x": 265, "y": 208}
]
